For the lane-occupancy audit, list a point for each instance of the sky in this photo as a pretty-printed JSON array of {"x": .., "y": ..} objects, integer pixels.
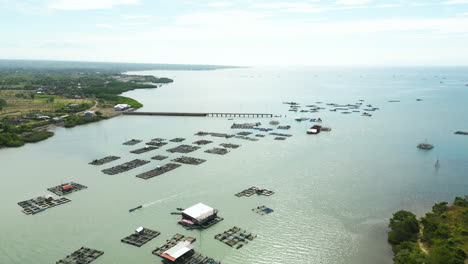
[{"x": 238, "y": 32}]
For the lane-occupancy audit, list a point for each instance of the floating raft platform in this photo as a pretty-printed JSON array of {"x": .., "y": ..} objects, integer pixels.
[
  {"x": 104, "y": 160},
  {"x": 125, "y": 167},
  {"x": 177, "y": 140},
  {"x": 245, "y": 125},
  {"x": 189, "y": 160},
  {"x": 284, "y": 127},
  {"x": 259, "y": 135},
  {"x": 235, "y": 237},
  {"x": 158, "y": 171},
  {"x": 227, "y": 145},
  {"x": 262, "y": 210},
  {"x": 132, "y": 142},
  {"x": 171, "y": 243},
  {"x": 143, "y": 150},
  {"x": 140, "y": 238},
  {"x": 81, "y": 256},
  {"x": 247, "y": 138},
  {"x": 461, "y": 133},
  {"x": 202, "y": 142},
  {"x": 244, "y": 133},
  {"x": 183, "y": 149},
  {"x": 66, "y": 188},
  {"x": 205, "y": 225},
  {"x": 219, "y": 151},
  {"x": 254, "y": 190},
  {"x": 156, "y": 143},
  {"x": 159, "y": 157},
  {"x": 41, "y": 203},
  {"x": 280, "y": 138},
  {"x": 213, "y": 134},
  {"x": 158, "y": 139}
]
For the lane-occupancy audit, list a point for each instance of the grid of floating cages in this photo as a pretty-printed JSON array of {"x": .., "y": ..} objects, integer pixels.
[
  {"x": 41, "y": 203},
  {"x": 235, "y": 237},
  {"x": 177, "y": 139},
  {"x": 125, "y": 167},
  {"x": 183, "y": 149},
  {"x": 202, "y": 142},
  {"x": 156, "y": 143},
  {"x": 189, "y": 160},
  {"x": 140, "y": 237},
  {"x": 247, "y": 138},
  {"x": 254, "y": 190},
  {"x": 227, "y": 145},
  {"x": 158, "y": 171},
  {"x": 263, "y": 210},
  {"x": 143, "y": 150},
  {"x": 81, "y": 256},
  {"x": 104, "y": 160},
  {"x": 172, "y": 242},
  {"x": 132, "y": 142},
  {"x": 159, "y": 157},
  {"x": 219, "y": 151},
  {"x": 66, "y": 188}
]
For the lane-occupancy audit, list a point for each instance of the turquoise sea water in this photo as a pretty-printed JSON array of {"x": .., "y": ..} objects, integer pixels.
[{"x": 334, "y": 191}]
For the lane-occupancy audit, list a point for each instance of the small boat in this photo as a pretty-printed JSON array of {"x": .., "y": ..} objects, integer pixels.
[
  {"x": 314, "y": 130},
  {"x": 418, "y": 100},
  {"x": 274, "y": 122},
  {"x": 327, "y": 129},
  {"x": 366, "y": 114},
  {"x": 136, "y": 208},
  {"x": 425, "y": 146},
  {"x": 180, "y": 209},
  {"x": 437, "y": 165}
]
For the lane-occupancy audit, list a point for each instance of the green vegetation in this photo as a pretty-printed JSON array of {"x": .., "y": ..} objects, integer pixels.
[
  {"x": 444, "y": 236},
  {"x": 75, "y": 120},
  {"x": 12, "y": 136}
]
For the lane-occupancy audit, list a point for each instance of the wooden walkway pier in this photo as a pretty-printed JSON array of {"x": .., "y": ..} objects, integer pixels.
[{"x": 199, "y": 114}]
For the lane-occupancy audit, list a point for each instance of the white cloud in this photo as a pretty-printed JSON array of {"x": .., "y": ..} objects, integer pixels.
[
  {"x": 131, "y": 17},
  {"x": 455, "y": 2},
  {"x": 295, "y": 7},
  {"x": 388, "y": 6},
  {"x": 87, "y": 4},
  {"x": 353, "y": 2},
  {"x": 220, "y": 4}
]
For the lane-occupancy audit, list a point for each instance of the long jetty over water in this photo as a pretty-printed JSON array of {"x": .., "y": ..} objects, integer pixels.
[{"x": 199, "y": 114}]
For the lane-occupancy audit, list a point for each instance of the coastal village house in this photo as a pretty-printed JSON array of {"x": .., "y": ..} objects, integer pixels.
[{"x": 121, "y": 107}]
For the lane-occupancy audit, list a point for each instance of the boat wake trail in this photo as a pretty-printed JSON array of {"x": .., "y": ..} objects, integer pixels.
[{"x": 162, "y": 200}]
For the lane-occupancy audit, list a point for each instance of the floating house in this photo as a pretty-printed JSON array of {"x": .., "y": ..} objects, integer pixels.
[
  {"x": 121, "y": 107},
  {"x": 314, "y": 129},
  {"x": 199, "y": 216},
  {"x": 178, "y": 253}
]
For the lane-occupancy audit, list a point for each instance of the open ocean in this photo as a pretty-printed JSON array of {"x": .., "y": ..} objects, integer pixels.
[{"x": 334, "y": 192}]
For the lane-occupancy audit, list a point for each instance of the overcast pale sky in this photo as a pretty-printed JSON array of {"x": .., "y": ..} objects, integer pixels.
[{"x": 238, "y": 32}]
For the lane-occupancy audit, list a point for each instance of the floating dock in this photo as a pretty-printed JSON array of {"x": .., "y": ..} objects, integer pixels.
[
  {"x": 189, "y": 160},
  {"x": 247, "y": 138},
  {"x": 159, "y": 157},
  {"x": 81, "y": 256},
  {"x": 461, "y": 133},
  {"x": 202, "y": 142},
  {"x": 125, "y": 167},
  {"x": 183, "y": 149},
  {"x": 177, "y": 140},
  {"x": 156, "y": 143},
  {"x": 214, "y": 134},
  {"x": 140, "y": 238},
  {"x": 158, "y": 171},
  {"x": 244, "y": 133},
  {"x": 104, "y": 160},
  {"x": 235, "y": 237},
  {"x": 143, "y": 150},
  {"x": 172, "y": 242},
  {"x": 219, "y": 151},
  {"x": 41, "y": 203},
  {"x": 254, "y": 190},
  {"x": 66, "y": 188},
  {"x": 132, "y": 142},
  {"x": 199, "y": 114},
  {"x": 262, "y": 210},
  {"x": 227, "y": 145}
]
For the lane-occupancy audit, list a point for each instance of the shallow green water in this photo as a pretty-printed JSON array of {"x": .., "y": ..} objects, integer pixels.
[{"x": 334, "y": 191}]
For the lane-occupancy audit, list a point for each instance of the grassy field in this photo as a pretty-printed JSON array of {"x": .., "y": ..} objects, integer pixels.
[{"x": 24, "y": 104}]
